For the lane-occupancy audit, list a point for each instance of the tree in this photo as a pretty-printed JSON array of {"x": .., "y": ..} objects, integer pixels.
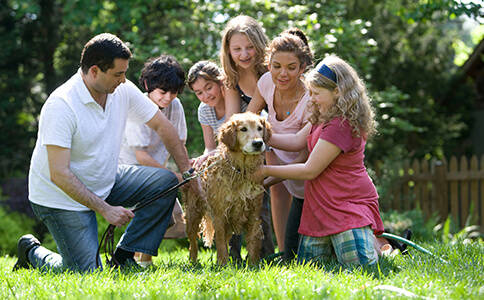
[{"x": 402, "y": 49}]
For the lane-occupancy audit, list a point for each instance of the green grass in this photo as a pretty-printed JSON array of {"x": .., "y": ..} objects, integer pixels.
[{"x": 173, "y": 277}]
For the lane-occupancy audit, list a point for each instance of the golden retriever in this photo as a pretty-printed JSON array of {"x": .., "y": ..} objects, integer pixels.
[{"x": 233, "y": 200}]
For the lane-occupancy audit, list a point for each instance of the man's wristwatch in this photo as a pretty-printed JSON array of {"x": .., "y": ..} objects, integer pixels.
[{"x": 187, "y": 174}]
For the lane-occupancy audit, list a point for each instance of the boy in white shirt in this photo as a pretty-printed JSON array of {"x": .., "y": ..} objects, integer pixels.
[{"x": 163, "y": 79}]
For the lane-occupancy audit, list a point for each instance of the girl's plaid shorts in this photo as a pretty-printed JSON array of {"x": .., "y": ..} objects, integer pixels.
[{"x": 352, "y": 247}]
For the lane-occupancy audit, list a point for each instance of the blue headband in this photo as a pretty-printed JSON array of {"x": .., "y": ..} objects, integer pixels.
[{"x": 328, "y": 73}]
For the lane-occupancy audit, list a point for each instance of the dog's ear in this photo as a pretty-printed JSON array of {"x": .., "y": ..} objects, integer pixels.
[
  {"x": 266, "y": 136},
  {"x": 228, "y": 135}
]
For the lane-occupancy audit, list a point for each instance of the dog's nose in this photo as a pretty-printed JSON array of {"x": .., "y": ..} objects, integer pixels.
[{"x": 257, "y": 144}]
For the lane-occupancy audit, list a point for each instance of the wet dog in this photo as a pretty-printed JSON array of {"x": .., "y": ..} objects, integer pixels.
[{"x": 233, "y": 200}]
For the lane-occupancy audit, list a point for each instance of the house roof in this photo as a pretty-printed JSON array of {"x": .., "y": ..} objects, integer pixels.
[{"x": 475, "y": 62}]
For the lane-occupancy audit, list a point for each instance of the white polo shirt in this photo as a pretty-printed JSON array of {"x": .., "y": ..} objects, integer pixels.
[{"x": 70, "y": 118}]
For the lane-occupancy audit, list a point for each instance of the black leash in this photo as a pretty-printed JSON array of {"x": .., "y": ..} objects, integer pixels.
[{"x": 107, "y": 239}]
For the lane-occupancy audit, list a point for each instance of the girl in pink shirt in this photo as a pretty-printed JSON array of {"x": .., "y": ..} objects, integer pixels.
[{"x": 340, "y": 211}]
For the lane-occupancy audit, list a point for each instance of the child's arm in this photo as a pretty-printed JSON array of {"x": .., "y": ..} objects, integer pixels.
[
  {"x": 210, "y": 145},
  {"x": 322, "y": 155},
  {"x": 208, "y": 138},
  {"x": 232, "y": 102},
  {"x": 302, "y": 157},
  {"x": 257, "y": 103},
  {"x": 293, "y": 142}
]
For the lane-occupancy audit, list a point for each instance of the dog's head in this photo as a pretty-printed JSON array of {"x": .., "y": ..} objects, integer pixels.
[{"x": 245, "y": 132}]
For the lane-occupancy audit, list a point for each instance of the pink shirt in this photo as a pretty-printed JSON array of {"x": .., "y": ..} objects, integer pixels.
[
  {"x": 343, "y": 196},
  {"x": 292, "y": 124}
]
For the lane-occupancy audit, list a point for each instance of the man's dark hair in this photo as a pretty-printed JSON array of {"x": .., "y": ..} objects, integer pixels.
[
  {"x": 163, "y": 72},
  {"x": 102, "y": 50}
]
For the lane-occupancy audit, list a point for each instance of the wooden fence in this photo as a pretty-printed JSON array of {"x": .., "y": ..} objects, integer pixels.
[{"x": 454, "y": 187}]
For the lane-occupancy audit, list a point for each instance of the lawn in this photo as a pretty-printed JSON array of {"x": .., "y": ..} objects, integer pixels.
[{"x": 173, "y": 277}]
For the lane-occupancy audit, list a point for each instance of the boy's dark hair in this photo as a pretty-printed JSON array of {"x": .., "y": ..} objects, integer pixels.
[
  {"x": 102, "y": 50},
  {"x": 163, "y": 72}
]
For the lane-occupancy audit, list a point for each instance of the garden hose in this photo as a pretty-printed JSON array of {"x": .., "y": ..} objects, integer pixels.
[{"x": 410, "y": 243}]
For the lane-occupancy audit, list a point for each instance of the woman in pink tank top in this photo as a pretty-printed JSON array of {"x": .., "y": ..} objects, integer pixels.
[{"x": 283, "y": 91}]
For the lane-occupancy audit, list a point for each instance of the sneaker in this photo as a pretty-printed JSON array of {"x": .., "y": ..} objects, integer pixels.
[
  {"x": 145, "y": 264},
  {"x": 128, "y": 264},
  {"x": 406, "y": 234},
  {"x": 25, "y": 244}
]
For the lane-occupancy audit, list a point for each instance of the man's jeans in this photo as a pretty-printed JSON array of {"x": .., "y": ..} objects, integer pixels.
[{"x": 75, "y": 232}]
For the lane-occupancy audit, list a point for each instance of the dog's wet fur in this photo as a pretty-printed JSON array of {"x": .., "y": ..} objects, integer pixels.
[{"x": 233, "y": 200}]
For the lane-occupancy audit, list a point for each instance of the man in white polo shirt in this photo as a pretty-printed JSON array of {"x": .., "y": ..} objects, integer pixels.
[{"x": 74, "y": 171}]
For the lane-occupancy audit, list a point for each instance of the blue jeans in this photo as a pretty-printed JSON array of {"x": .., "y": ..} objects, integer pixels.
[{"x": 75, "y": 232}]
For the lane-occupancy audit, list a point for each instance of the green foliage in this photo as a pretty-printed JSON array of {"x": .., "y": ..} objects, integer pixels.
[
  {"x": 396, "y": 222},
  {"x": 402, "y": 49},
  {"x": 14, "y": 225},
  {"x": 450, "y": 234}
]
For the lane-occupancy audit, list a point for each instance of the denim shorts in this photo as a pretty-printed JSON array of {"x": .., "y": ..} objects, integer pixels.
[{"x": 352, "y": 247}]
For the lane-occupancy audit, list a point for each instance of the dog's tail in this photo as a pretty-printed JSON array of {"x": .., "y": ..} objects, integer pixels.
[{"x": 208, "y": 231}]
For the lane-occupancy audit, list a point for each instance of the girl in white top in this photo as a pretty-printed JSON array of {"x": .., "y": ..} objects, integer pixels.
[
  {"x": 283, "y": 91},
  {"x": 163, "y": 79},
  {"x": 205, "y": 79}
]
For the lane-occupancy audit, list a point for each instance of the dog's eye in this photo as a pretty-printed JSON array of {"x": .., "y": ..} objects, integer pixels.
[
  {"x": 243, "y": 129},
  {"x": 259, "y": 128}
]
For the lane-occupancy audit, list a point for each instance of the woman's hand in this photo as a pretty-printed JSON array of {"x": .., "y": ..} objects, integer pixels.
[{"x": 270, "y": 181}]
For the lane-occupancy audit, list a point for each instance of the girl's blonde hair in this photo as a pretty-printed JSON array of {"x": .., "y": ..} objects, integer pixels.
[
  {"x": 207, "y": 70},
  {"x": 352, "y": 104},
  {"x": 291, "y": 40},
  {"x": 254, "y": 32}
]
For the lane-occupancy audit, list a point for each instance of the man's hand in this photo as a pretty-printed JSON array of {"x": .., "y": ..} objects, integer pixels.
[{"x": 118, "y": 215}]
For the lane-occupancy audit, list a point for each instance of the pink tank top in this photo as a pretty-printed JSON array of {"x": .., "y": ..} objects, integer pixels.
[{"x": 291, "y": 124}]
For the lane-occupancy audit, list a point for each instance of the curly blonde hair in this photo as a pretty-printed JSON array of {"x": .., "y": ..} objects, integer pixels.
[
  {"x": 353, "y": 103},
  {"x": 255, "y": 33}
]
